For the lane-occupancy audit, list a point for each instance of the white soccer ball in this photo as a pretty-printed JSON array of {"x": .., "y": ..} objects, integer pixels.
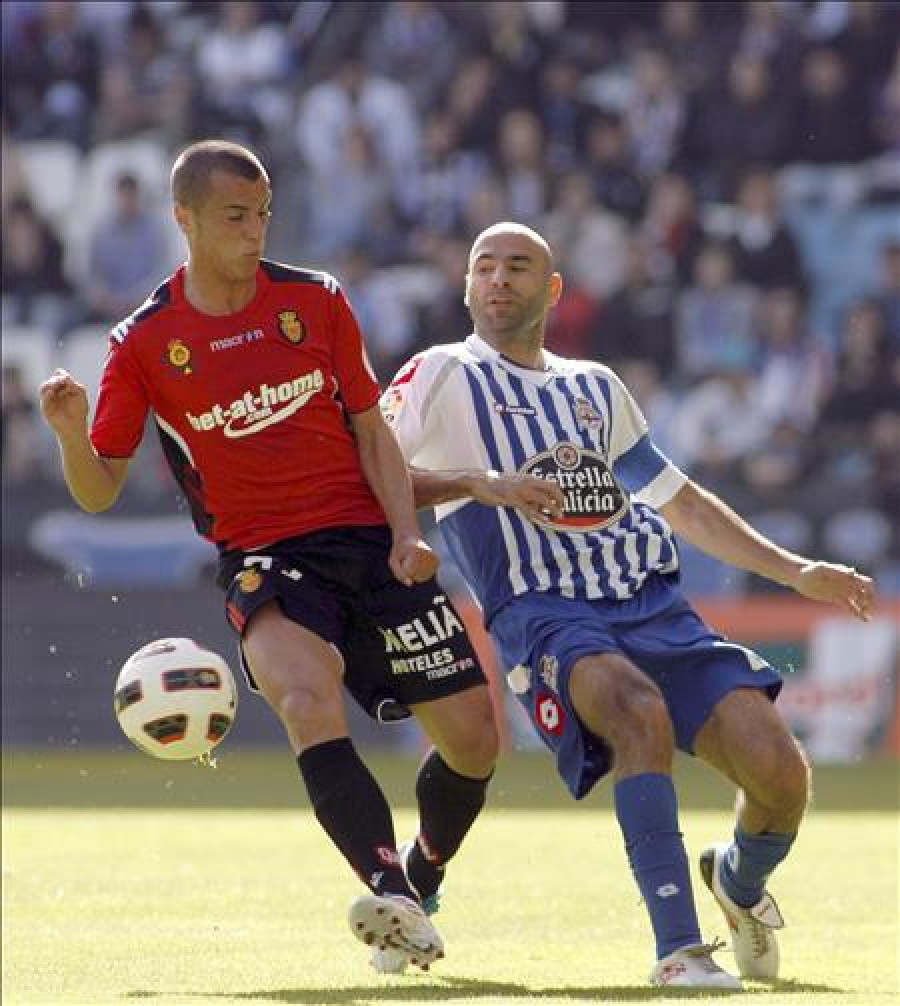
[{"x": 174, "y": 699}]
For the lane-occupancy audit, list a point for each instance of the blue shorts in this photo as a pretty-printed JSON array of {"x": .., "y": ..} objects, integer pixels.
[{"x": 541, "y": 636}]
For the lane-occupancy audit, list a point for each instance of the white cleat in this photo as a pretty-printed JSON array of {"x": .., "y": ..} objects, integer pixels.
[
  {"x": 392, "y": 922},
  {"x": 694, "y": 968},
  {"x": 752, "y": 929},
  {"x": 391, "y": 961}
]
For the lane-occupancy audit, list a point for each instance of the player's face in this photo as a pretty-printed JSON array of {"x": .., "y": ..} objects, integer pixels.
[
  {"x": 227, "y": 231},
  {"x": 510, "y": 287}
]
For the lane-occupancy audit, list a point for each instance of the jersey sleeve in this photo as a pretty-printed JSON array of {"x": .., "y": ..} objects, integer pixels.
[
  {"x": 636, "y": 461},
  {"x": 357, "y": 384},
  {"x": 403, "y": 404},
  {"x": 122, "y": 405}
]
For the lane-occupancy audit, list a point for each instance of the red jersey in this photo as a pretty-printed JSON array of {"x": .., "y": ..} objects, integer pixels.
[{"x": 251, "y": 407}]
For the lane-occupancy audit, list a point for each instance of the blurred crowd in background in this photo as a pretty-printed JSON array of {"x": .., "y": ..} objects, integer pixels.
[{"x": 720, "y": 182}]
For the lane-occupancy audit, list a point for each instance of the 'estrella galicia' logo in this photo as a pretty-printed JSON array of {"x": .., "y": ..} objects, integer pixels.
[{"x": 594, "y": 499}]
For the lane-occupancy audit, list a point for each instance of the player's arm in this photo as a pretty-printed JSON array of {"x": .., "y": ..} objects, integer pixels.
[
  {"x": 385, "y": 470},
  {"x": 535, "y": 497},
  {"x": 93, "y": 481},
  {"x": 710, "y": 524}
]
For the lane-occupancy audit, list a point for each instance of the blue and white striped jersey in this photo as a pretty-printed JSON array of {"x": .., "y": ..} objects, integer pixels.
[{"x": 464, "y": 406}]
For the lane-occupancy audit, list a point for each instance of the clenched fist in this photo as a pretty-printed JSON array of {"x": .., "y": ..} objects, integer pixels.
[{"x": 64, "y": 403}]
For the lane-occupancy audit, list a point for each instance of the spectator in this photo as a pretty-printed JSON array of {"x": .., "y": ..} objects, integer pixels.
[
  {"x": 128, "y": 252},
  {"x": 636, "y": 322},
  {"x": 50, "y": 83},
  {"x": 689, "y": 46},
  {"x": 520, "y": 163},
  {"x": 414, "y": 44},
  {"x": 794, "y": 369},
  {"x": 714, "y": 320},
  {"x": 563, "y": 113},
  {"x": 654, "y": 114},
  {"x": 750, "y": 123},
  {"x": 832, "y": 123},
  {"x": 434, "y": 195},
  {"x": 351, "y": 204},
  {"x": 35, "y": 289},
  {"x": 20, "y": 432},
  {"x": 242, "y": 64},
  {"x": 671, "y": 229},
  {"x": 592, "y": 240},
  {"x": 354, "y": 98},
  {"x": 764, "y": 251},
  {"x": 617, "y": 185},
  {"x": 718, "y": 424},
  {"x": 886, "y": 295}
]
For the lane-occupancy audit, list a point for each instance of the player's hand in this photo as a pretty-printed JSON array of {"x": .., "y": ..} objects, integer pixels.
[
  {"x": 64, "y": 403},
  {"x": 840, "y": 585},
  {"x": 412, "y": 560},
  {"x": 537, "y": 498}
]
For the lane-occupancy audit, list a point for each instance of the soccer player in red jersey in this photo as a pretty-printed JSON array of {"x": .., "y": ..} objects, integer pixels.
[{"x": 268, "y": 413}]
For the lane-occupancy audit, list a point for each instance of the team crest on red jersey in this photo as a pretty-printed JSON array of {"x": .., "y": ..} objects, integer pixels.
[
  {"x": 291, "y": 327},
  {"x": 179, "y": 356}
]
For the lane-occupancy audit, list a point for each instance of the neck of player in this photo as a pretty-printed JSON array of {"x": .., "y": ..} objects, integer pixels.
[
  {"x": 523, "y": 350},
  {"x": 210, "y": 293}
]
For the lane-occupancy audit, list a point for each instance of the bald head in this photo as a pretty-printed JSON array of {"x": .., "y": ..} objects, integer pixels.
[
  {"x": 508, "y": 234},
  {"x": 511, "y": 284}
]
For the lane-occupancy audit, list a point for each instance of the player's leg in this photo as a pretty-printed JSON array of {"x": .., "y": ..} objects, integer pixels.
[
  {"x": 452, "y": 780},
  {"x": 747, "y": 740},
  {"x": 619, "y": 704},
  {"x": 299, "y": 674}
]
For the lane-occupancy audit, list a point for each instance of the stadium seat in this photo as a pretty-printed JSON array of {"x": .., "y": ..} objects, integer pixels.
[
  {"x": 861, "y": 537},
  {"x": 51, "y": 170},
  {"x": 787, "y": 528},
  {"x": 122, "y": 551},
  {"x": 704, "y": 576},
  {"x": 31, "y": 349},
  {"x": 83, "y": 355}
]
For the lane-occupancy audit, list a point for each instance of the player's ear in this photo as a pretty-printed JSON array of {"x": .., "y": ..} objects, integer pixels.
[
  {"x": 184, "y": 218},
  {"x": 554, "y": 289}
]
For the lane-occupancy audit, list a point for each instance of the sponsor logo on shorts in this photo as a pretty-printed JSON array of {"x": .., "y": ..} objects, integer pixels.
[
  {"x": 259, "y": 407},
  {"x": 549, "y": 714},
  {"x": 548, "y": 668},
  {"x": 594, "y": 499},
  {"x": 414, "y": 647},
  {"x": 387, "y": 855}
]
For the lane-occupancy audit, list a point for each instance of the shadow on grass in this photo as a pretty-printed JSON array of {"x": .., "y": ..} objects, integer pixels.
[{"x": 439, "y": 990}]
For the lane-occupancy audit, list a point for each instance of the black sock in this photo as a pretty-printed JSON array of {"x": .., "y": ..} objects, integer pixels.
[
  {"x": 448, "y": 805},
  {"x": 350, "y": 806}
]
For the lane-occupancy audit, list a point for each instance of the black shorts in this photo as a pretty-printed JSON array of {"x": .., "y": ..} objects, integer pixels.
[{"x": 397, "y": 642}]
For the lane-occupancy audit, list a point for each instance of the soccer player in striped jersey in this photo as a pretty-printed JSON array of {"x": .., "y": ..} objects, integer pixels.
[
  {"x": 580, "y": 595},
  {"x": 267, "y": 409}
]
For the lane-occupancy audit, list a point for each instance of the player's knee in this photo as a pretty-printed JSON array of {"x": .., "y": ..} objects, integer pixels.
[
  {"x": 623, "y": 706},
  {"x": 305, "y": 709},
  {"x": 789, "y": 782},
  {"x": 474, "y": 746}
]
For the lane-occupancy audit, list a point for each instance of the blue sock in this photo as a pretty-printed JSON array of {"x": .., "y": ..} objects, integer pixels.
[
  {"x": 749, "y": 861},
  {"x": 647, "y": 812}
]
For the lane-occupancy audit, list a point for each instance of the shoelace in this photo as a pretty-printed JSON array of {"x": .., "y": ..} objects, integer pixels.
[{"x": 704, "y": 951}]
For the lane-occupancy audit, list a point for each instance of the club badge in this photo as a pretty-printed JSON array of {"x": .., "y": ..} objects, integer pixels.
[
  {"x": 291, "y": 327},
  {"x": 179, "y": 356}
]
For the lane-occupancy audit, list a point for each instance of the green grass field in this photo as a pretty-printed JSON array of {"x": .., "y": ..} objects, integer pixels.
[{"x": 129, "y": 881}]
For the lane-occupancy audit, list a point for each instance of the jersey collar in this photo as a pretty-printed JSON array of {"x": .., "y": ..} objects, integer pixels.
[{"x": 485, "y": 351}]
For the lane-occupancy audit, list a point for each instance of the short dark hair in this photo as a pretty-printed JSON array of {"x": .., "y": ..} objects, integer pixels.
[{"x": 194, "y": 166}]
